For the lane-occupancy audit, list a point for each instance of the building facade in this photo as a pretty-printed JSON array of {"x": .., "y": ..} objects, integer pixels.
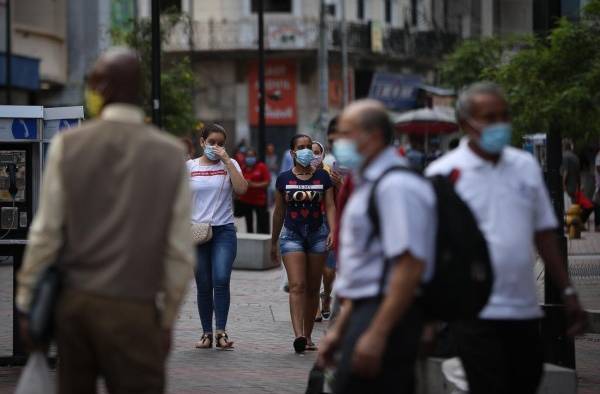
[{"x": 394, "y": 36}]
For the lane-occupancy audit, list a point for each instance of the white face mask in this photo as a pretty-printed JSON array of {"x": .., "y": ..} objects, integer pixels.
[{"x": 316, "y": 161}]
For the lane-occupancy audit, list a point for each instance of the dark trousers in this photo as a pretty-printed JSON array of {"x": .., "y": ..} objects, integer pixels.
[
  {"x": 398, "y": 367},
  {"x": 119, "y": 340},
  {"x": 262, "y": 217},
  {"x": 596, "y": 216},
  {"x": 500, "y": 356}
]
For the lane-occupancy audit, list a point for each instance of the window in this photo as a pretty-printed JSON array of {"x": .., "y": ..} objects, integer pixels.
[
  {"x": 388, "y": 11},
  {"x": 273, "y": 6},
  {"x": 414, "y": 11},
  {"x": 360, "y": 9},
  {"x": 170, "y": 6}
]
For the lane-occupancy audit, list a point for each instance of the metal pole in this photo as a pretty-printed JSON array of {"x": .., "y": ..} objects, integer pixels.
[
  {"x": 558, "y": 348},
  {"x": 345, "y": 87},
  {"x": 323, "y": 71},
  {"x": 261, "y": 140},
  {"x": 8, "y": 55},
  {"x": 156, "y": 115}
]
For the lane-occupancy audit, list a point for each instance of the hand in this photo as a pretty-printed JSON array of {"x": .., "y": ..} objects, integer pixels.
[
  {"x": 275, "y": 252},
  {"x": 167, "y": 339},
  {"x": 221, "y": 152},
  {"x": 327, "y": 348},
  {"x": 24, "y": 333},
  {"x": 576, "y": 316},
  {"x": 336, "y": 178},
  {"x": 368, "y": 354},
  {"x": 330, "y": 241}
]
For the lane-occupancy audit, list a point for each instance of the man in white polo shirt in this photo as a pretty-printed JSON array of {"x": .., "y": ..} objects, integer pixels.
[
  {"x": 378, "y": 329},
  {"x": 501, "y": 351}
]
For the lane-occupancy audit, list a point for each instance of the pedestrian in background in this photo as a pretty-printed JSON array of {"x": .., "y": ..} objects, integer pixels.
[
  {"x": 324, "y": 313},
  {"x": 305, "y": 238},
  {"x": 596, "y": 198},
  {"x": 254, "y": 201},
  {"x": 213, "y": 178},
  {"x": 571, "y": 173},
  {"x": 272, "y": 163},
  {"x": 501, "y": 351},
  {"x": 125, "y": 259},
  {"x": 381, "y": 268}
]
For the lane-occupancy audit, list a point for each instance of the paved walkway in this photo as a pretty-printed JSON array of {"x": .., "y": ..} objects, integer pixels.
[{"x": 263, "y": 360}]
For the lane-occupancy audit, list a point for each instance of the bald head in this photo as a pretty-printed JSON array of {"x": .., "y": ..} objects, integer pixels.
[
  {"x": 116, "y": 76},
  {"x": 369, "y": 116},
  {"x": 367, "y": 123}
]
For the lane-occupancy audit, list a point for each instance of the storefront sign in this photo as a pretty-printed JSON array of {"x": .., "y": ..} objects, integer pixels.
[
  {"x": 280, "y": 89},
  {"x": 397, "y": 92}
]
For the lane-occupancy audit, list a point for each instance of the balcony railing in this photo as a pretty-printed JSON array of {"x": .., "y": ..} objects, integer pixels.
[{"x": 303, "y": 34}]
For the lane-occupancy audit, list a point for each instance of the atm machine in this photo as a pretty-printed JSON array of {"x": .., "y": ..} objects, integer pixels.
[{"x": 20, "y": 172}]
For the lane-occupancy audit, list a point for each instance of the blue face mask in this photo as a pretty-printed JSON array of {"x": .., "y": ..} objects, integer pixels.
[
  {"x": 210, "y": 154},
  {"x": 304, "y": 157},
  {"x": 346, "y": 154},
  {"x": 250, "y": 161},
  {"x": 495, "y": 137}
]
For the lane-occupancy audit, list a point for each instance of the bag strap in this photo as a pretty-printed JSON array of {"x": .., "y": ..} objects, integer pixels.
[
  {"x": 212, "y": 215},
  {"x": 373, "y": 214}
]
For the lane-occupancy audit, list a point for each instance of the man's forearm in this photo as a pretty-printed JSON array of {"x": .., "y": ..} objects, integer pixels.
[
  {"x": 548, "y": 248},
  {"x": 404, "y": 281}
]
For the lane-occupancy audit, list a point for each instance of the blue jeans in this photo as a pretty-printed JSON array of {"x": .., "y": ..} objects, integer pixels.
[{"x": 213, "y": 274}]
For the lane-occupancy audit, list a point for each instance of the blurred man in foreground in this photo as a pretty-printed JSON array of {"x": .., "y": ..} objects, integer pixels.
[{"x": 114, "y": 215}]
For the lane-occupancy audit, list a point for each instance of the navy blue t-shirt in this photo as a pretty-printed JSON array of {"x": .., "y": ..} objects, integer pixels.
[{"x": 304, "y": 200}]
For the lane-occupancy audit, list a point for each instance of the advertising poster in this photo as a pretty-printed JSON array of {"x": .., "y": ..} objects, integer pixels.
[{"x": 280, "y": 89}]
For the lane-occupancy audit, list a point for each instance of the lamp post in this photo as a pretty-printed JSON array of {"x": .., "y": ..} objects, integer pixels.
[
  {"x": 8, "y": 54},
  {"x": 156, "y": 110},
  {"x": 261, "y": 140}
]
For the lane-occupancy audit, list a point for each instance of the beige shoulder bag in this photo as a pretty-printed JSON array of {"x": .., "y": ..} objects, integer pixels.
[{"x": 202, "y": 232}]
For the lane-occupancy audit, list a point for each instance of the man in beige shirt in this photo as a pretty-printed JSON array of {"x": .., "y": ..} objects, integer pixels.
[{"x": 114, "y": 215}]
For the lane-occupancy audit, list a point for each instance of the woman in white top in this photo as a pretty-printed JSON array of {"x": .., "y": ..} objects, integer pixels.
[{"x": 213, "y": 178}]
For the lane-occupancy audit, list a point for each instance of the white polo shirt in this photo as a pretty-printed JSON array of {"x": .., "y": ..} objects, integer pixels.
[
  {"x": 510, "y": 202},
  {"x": 406, "y": 205}
]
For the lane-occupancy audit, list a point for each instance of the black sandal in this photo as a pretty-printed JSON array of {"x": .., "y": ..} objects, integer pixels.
[
  {"x": 201, "y": 344},
  {"x": 325, "y": 313},
  {"x": 222, "y": 336},
  {"x": 300, "y": 344}
]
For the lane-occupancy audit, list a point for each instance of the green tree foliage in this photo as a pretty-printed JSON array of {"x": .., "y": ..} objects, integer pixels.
[
  {"x": 177, "y": 77},
  {"x": 553, "y": 83}
]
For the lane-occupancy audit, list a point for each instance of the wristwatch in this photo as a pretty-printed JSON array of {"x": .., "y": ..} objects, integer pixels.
[{"x": 569, "y": 291}]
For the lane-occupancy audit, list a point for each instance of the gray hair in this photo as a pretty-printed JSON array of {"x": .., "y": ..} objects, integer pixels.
[{"x": 465, "y": 98}]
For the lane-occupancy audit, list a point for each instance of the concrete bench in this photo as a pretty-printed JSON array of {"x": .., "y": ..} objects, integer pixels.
[
  {"x": 253, "y": 252},
  {"x": 556, "y": 380}
]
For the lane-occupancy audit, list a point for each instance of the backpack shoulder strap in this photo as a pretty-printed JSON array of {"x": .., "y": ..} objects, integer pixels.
[
  {"x": 373, "y": 213},
  {"x": 373, "y": 209}
]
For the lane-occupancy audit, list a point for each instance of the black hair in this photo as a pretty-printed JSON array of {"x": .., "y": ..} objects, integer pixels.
[
  {"x": 207, "y": 130},
  {"x": 332, "y": 126},
  {"x": 296, "y": 138}
]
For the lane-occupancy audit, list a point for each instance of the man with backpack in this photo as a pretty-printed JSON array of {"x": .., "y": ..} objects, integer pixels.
[
  {"x": 501, "y": 350},
  {"x": 382, "y": 265}
]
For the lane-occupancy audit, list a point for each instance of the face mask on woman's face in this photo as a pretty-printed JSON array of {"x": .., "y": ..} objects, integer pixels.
[
  {"x": 250, "y": 161},
  {"x": 209, "y": 152},
  {"x": 304, "y": 157},
  {"x": 316, "y": 161}
]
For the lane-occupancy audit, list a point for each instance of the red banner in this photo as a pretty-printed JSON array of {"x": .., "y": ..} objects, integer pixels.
[{"x": 280, "y": 88}]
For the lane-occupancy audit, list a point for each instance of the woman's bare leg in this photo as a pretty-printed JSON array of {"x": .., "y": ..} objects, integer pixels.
[
  {"x": 314, "y": 273},
  {"x": 295, "y": 266}
]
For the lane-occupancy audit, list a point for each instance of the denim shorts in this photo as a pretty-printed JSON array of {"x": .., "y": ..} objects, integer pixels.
[
  {"x": 315, "y": 242},
  {"x": 330, "y": 262}
]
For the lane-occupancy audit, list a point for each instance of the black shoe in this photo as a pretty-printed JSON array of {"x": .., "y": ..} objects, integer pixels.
[{"x": 300, "y": 344}]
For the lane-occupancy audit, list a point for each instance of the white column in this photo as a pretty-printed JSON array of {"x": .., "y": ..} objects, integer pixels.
[{"x": 487, "y": 17}]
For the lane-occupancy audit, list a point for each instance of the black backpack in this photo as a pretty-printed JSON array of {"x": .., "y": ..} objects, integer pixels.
[{"x": 463, "y": 277}]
